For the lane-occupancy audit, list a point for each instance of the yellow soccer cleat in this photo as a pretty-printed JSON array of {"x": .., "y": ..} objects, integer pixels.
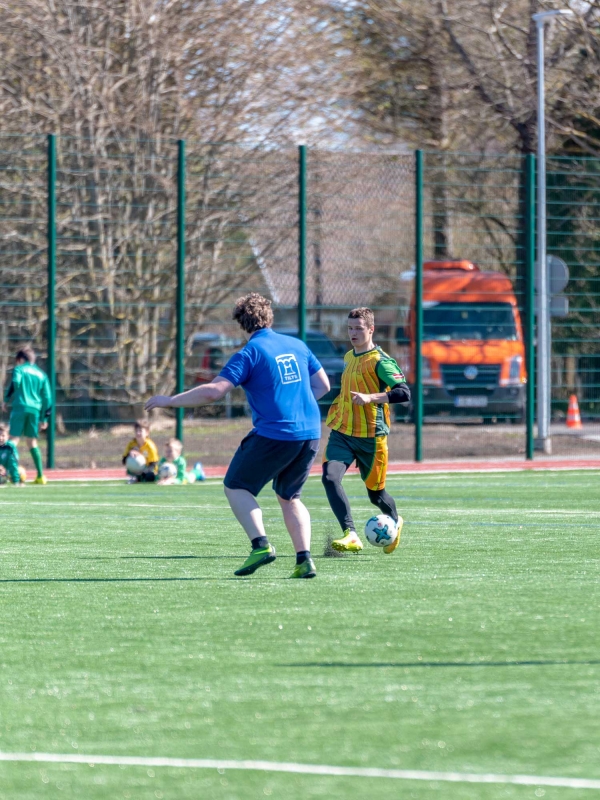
[
  {"x": 391, "y": 547},
  {"x": 41, "y": 480},
  {"x": 350, "y": 543}
]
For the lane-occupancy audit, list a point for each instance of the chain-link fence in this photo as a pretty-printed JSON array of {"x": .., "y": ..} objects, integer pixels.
[
  {"x": 573, "y": 235},
  {"x": 140, "y": 224}
]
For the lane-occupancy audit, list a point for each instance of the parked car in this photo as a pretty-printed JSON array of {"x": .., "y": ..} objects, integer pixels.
[
  {"x": 331, "y": 358},
  {"x": 209, "y": 354}
]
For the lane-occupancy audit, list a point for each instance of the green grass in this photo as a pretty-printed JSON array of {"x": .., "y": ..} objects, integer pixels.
[{"x": 474, "y": 648}]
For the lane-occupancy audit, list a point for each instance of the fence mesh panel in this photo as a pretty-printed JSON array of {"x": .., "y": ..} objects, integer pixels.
[
  {"x": 241, "y": 236},
  {"x": 360, "y": 252},
  {"x": 473, "y": 347},
  {"x": 23, "y": 257},
  {"x": 115, "y": 226},
  {"x": 573, "y": 205}
]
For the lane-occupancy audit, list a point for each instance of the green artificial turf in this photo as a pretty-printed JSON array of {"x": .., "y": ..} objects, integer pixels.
[{"x": 473, "y": 648}]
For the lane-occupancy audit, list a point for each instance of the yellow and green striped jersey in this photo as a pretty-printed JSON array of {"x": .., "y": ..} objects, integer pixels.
[{"x": 368, "y": 373}]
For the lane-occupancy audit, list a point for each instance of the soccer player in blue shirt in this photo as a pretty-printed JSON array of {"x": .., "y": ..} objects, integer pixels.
[{"x": 283, "y": 381}]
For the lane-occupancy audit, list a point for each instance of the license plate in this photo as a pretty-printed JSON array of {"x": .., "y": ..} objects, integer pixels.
[{"x": 471, "y": 401}]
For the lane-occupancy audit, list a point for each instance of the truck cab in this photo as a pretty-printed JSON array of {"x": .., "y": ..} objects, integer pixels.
[{"x": 473, "y": 354}]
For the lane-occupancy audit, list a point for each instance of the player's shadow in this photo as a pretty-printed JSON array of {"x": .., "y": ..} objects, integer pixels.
[
  {"x": 110, "y": 580},
  {"x": 433, "y": 664},
  {"x": 151, "y": 558}
]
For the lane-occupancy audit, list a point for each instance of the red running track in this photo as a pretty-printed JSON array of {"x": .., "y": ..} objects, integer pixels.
[{"x": 396, "y": 467}]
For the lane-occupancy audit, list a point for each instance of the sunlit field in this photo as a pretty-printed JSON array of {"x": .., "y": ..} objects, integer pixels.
[{"x": 472, "y": 649}]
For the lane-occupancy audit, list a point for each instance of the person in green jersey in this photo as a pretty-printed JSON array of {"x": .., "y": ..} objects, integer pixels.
[
  {"x": 9, "y": 459},
  {"x": 173, "y": 451},
  {"x": 29, "y": 393}
]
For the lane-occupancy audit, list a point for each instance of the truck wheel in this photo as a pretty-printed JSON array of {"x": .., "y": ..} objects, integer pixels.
[{"x": 518, "y": 418}]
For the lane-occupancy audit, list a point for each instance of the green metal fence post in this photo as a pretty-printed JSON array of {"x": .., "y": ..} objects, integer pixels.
[
  {"x": 302, "y": 242},
  {"x": 51, "y": 296},
  {"x": 180, "y": 303},
  {"x": 418, "y": 365},
  {"x": 529, "y": 300}
]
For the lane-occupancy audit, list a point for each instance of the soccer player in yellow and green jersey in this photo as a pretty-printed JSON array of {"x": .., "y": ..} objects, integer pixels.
[{"x": 359, "y": 419}]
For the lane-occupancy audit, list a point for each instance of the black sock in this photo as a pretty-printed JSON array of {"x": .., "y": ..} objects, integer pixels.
[
  {"x": 384, "y": 501},
  {"x": 302, "y": 556},
  {"x": 259, "y": 542}
]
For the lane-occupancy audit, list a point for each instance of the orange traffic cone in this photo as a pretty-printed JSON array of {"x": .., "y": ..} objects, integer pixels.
[{"x": 573, "y": 416}]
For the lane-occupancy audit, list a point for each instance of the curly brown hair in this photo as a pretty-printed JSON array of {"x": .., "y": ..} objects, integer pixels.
[
  {"x": 253, "y": 312},
  {"x": 363, "y": 313}
]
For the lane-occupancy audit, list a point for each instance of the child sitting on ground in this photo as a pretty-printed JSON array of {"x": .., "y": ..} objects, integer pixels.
[
  {"x": 9, "y": 460},
  {"x": 174, "y": 459},
  {"x": 142, "y": 445}
]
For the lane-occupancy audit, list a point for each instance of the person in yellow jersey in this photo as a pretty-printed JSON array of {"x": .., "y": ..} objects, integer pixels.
[
  {"x": 142, "y": 443},
  {"x": 359, "y": 419}
]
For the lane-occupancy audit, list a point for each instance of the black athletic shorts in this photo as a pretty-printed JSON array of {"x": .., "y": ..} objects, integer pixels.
[{"x": 259, "y": 460}]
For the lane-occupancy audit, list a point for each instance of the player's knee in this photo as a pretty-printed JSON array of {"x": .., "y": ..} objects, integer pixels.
[
  {"x": 375, "y": 496},
  {"x": 327, "y": 478},
  {"x": 333, "y": 472}
]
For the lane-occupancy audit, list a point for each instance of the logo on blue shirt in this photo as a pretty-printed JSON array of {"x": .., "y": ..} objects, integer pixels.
[{"x": 289, "y": 371}]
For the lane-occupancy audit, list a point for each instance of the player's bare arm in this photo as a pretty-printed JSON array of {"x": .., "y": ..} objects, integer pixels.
[
  {"x": 362, "y": 399},
  {"x": 319, "y": 383},
  {"x": 400, "y": 393},
  {"x": 198, "y": 396}
]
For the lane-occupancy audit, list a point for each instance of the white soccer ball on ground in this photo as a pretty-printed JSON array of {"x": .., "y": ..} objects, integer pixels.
[
  {"x": 380, "y": 530},
  {"x": 135, "y": 463},
  {"x": 167, "y": 470}
]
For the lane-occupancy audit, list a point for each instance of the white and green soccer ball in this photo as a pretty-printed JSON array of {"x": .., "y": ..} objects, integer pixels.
[
  {"x": 380, "y": 530},
  {"x": 135, "y": 464},
  {"x": 167, "y": 470}
]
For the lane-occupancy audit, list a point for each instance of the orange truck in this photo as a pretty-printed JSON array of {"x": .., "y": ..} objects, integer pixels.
[{"x": 473, "y": 353}]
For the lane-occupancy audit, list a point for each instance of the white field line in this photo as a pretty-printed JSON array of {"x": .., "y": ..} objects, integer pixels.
[
  {"x": 391, "y": 471},
  {"x": 412, "y": 509},
  {"x": 304, "y": 769},
  {"x": 465, "y": 469},
  {"x": 62, "y": 504}
]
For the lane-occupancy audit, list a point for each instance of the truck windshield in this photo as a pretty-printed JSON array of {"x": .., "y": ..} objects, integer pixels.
[{"x": 447, "y": 322}]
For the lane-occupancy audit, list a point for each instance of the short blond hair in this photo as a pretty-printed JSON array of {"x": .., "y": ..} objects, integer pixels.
[
  {"x": 4, "y": 427},
  {"x": 175, "y": 444}
]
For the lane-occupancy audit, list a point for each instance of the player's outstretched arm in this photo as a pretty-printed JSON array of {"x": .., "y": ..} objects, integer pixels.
[{"x": 199, "y": 396}]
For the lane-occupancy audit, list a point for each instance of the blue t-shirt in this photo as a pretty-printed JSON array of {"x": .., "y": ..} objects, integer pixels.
[{"x": 274, "y": 370}]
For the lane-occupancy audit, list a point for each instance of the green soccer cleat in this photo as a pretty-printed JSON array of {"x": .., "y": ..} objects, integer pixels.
[
  {"x": 305, "y": 570},
  {"x": 389, "y": 548},
  {"x": 257, "y": 558},
  {"x": 349, "y": 543}
]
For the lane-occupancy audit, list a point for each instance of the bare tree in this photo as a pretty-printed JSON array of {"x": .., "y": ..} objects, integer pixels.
[{"x": 120, "y": 82}]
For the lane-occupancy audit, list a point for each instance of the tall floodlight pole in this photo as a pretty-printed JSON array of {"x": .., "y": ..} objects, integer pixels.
[{"x": 543, "y": 441}]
